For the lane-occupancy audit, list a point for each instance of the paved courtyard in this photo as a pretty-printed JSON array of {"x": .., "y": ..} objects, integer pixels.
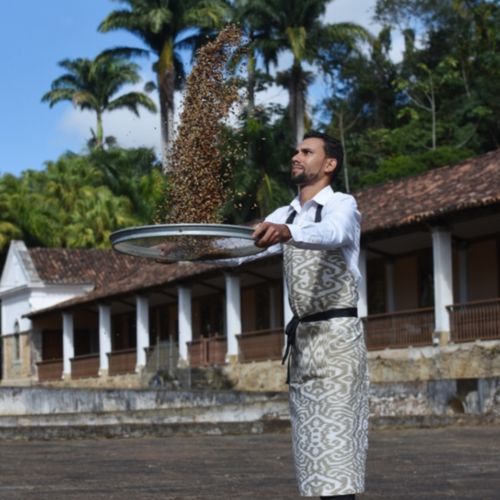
[{"x": 403, "y": 465}]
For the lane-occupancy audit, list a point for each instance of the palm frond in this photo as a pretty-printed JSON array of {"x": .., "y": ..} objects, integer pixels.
[
  {"x": 125, "y": 52},
  {"x": 132, "y": 101},
  {"x": 85, "y": 100},
  {"x": 297, "y": 39},
  {"x": 58, "y": 95}
]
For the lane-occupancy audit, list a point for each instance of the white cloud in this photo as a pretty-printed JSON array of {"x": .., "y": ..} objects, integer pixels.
[
  {"x": 352, "y": 11},
  {"x": 361, "y": 12}
]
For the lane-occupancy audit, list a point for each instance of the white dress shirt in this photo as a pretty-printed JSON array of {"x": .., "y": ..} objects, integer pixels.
[{"x": 339, "y": 227}]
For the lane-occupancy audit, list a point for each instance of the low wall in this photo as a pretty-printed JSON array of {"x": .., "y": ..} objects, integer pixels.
[
  {"x": 453, "y": 361},
  {"x": 24, "y": 401},
  {"x": 436, "y": 397},
  {"x": 77, "y": 406},
  {"x": 414, "y": 364}
]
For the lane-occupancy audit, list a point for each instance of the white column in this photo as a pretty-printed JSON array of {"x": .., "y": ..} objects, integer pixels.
[
  {"x": 233, "y": 312},
  {"x": 462, "y": 273},
  {"x": 389, "y": 281},
  {"x": 104, "y": 337},
  {"x": 273, "y": 317},
  {"x": 363, "y": 289},
  {"x": 68, "y": 343},
  {"x": 142, "y": 311},
  {"x": 287, "y": 310},
  {"x": 443, "y": 282},
  {"x": 185, "y": 320}
]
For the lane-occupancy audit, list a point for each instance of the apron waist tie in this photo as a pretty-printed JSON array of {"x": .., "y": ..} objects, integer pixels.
[{"x": 291, "y": 328}]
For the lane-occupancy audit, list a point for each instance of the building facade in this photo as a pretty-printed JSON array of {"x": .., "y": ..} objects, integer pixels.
[{"x": 430, "y": 262}]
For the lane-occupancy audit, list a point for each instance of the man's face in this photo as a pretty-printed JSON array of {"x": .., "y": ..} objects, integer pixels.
[{"x": 309, "y": 163}]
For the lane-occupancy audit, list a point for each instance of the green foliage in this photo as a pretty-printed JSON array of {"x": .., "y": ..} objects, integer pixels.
[
  {"x": 295, "y": 26},
  {"x": 134, "y": 173},
  {"x": 444, "y": 95},
  {"x": 78, "y": 201},
  {"x": 403, "y": 166},
  {"x": 259, "y": 154}
]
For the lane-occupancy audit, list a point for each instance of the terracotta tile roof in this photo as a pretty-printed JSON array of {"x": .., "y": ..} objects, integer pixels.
[
  {"x": 469, "y": 184},
  {"x": 78, "y": 266},
  {"x": 144, "y": 278}
]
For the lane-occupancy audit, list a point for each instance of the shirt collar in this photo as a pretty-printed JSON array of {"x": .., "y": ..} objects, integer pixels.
[{"x": 320, "y": 199}]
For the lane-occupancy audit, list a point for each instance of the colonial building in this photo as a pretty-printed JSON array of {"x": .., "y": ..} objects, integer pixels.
[
  {"x": 430, "y": 260},
  {"x": 38, "y": 278}
]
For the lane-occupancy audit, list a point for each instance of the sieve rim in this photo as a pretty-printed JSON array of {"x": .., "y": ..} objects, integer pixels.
[{"x": 122, "y": 236}]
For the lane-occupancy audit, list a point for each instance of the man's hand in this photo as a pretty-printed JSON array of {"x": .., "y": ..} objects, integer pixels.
[
  {"x": 165, "y": 249},
  {"x": 268, "y": 234}
]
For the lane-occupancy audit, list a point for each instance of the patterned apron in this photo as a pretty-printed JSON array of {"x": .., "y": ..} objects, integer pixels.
[{"x": 328, "y": 376}]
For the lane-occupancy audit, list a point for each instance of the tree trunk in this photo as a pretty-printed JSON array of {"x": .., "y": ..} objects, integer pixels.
[
  {"x": 342, "y": 141},
  {"x": 251, "y": 94},
  {"x": 251, "y": 80},
  {"x": 433, "y": 111},
  {"x": 99, "y": 132},
  {"x": 166, "y": 79},
  {"x": 297, "y": 101}
]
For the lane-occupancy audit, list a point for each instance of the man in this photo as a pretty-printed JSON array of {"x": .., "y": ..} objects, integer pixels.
[
  {"x": 318, "y": 234},
  {"x": 328, "y": 377}
]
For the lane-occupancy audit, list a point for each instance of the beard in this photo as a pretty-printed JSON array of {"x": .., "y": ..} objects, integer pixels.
[{"x": 302, "y": 177}]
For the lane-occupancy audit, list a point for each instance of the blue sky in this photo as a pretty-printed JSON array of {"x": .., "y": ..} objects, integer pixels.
[{"x": 35, "y": 35}]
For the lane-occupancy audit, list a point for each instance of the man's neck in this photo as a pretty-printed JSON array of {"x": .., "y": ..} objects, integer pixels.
[{"x": 307, "y": 193}]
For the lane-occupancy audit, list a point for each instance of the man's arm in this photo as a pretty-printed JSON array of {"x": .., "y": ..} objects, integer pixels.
[{"x": 268, "y": 234}]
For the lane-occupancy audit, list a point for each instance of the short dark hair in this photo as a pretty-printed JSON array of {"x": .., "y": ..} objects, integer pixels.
[{"x": 333, "y": 149}]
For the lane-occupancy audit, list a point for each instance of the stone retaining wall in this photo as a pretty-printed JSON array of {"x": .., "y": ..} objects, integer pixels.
[
  {"x": 22, "y": 401},
  {"x": 414, "y": 364},
  {"x": 452, "y": 361},
  {"x": 76, "y": 406}
]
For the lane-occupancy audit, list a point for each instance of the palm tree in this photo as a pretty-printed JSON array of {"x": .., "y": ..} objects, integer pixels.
[
  {"x": 95, "y": 214},
  {"x": 296, "y": 27},
  {"x": 91, "y": 84},
  {"x": 26, "y": 212},
  {"x": 248, "y": 18},
  {"x": 160, "y": 24},
  {"x": 85, "y": 211},
  {"x": 134, "y": 173}
]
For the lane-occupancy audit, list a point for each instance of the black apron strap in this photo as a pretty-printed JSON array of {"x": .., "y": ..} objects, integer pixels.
[
  {"x": 291, "y": 217},
  {"x": 293, "y": 213},
  {"x": 318, "y": 213}
]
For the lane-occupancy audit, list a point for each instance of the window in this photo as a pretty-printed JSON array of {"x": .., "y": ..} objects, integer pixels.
[
  {"x": 17, "y": 342},
  {"x": 376, "y": 286},
  {"x": 426, "y": 278}
]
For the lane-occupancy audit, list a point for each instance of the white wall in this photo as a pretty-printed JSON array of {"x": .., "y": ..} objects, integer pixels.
[
  {"x": 13, "y": 308},
  {"x": 13, "y": 275},
  {"x": 25, "y": 301}
]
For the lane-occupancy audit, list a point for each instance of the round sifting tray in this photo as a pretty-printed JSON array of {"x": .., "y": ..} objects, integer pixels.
[{"x": 187, "y": 242}]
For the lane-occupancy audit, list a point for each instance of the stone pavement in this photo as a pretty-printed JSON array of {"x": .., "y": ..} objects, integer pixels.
[{"x": 430, "y": 464}]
